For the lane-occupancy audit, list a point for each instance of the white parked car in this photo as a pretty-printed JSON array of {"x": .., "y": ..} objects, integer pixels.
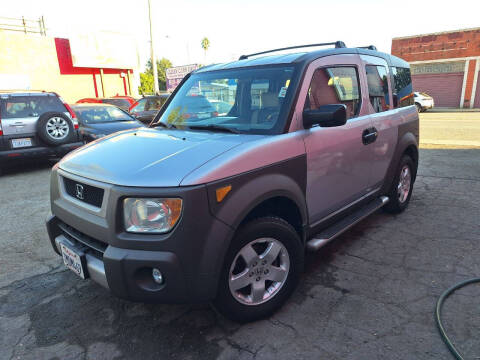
[{"x": 423, "y": 101}]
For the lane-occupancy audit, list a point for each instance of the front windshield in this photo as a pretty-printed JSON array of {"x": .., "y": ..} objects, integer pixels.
[
  {"x": 100, "y": 114},
  {"x": 242, "y": 100}
]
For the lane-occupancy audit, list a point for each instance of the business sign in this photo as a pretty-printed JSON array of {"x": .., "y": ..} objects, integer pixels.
[
  {"x": 175, "y": 75},
  {"x": 105, "y": 50}
]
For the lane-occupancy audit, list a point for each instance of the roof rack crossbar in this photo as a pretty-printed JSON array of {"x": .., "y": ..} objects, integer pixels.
[
  {"x": 338, "y": 44},
  {"x": 369, "y": 47}
]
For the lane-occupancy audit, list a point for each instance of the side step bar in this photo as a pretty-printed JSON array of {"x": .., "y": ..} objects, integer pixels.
[{"x": 327, "y": 235}]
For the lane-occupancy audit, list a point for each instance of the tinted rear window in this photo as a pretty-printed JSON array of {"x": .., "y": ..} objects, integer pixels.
[
  {"x": 30, "y": 106},
  {"x": 378, "y": 87},
  {"x": 117, "y": 102},
  {"x": 402, "y": 89},
  {"x": 155, "y": 103}
]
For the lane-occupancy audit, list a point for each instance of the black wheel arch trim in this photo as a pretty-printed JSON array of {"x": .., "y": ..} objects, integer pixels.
[
  {"x": 285, "y": 179},
  {"x": 406, "y": 140}
]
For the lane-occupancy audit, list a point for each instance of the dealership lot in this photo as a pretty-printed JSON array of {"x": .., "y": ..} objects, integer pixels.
[{"x": 368, "y": 295}]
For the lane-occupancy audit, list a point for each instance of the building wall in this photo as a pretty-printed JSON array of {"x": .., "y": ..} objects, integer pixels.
[
  {"x": 46, "y": 63},
  {"x": 444, "y": 53}
]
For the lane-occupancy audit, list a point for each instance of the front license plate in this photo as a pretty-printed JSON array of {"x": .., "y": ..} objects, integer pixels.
[
  {"x": 72, "y": 260},
  {"x": 19, "y": 143}
]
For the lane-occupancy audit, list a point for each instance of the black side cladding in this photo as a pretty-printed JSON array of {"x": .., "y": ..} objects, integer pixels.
[{"x": 283, "y": 179}]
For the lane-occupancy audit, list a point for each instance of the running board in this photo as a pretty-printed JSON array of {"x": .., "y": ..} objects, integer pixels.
[{"x": 327, "y": 235}]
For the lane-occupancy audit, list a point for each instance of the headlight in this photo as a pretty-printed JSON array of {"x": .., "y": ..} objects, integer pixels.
[{"x": 151, "y": 215}]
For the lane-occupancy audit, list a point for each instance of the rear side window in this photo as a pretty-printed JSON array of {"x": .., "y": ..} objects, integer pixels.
[
  {"x": 402, "y": 88},
  {"x": 335, "y": 85},
  {"x": 140, "y": 106},
  {"x": 30, "y": 106},
  {"x": 154, "y": 104},
  {"x": 378, "y": 87}
]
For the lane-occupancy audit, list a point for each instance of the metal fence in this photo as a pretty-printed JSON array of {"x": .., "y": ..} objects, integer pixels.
[{"x": 26, "y": 26}]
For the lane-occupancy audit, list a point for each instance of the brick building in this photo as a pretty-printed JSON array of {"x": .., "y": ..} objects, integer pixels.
[{"x": 445, "y": 65}]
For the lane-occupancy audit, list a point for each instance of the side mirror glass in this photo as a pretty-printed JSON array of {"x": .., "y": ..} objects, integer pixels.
[{"x": 325, "y": 116}]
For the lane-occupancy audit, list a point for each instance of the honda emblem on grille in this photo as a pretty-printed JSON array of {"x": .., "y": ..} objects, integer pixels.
[{"x": 79, "y": 191}]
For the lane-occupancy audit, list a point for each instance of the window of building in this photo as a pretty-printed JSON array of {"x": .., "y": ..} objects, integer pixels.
[
  {"x": 378, "y": 87},
  {"x": 335, "y": 85}
]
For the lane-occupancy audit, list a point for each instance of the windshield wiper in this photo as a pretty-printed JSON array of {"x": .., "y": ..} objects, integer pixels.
[
  {"x": 214, "y": 127},
  {"x": 164, "y": 125}
]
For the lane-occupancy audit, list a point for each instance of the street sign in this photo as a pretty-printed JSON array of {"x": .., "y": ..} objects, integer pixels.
[{"x": 175, "y": 75}]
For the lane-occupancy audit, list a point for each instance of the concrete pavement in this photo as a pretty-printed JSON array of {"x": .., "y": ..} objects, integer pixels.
[{"x": 368, "y": 295}]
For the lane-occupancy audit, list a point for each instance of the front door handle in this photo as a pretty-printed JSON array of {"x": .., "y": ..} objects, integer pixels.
[{"x": 369, "y": 136}]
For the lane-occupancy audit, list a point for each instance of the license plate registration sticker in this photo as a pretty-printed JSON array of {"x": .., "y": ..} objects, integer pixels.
[
  {"x": 19, "y": 143},
  {"x": 72, "y": 261}
]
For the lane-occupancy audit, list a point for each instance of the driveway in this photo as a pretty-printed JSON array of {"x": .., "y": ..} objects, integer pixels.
[{"x": 368, "y": 295}]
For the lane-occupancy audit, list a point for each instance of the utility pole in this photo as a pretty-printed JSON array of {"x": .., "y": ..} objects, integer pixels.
[{"x": 152, "y": 52}]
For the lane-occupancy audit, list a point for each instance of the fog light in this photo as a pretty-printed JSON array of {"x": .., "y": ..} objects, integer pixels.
[{"x": 157, "y": 276}]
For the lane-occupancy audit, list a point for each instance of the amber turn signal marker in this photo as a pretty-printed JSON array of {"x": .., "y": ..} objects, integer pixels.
[
  {"x": 222, "y": 192},
  {"x": 175, "y": 206}
]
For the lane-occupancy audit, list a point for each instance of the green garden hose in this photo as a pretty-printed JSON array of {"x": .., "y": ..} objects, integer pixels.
[{"x": 438, "y": 313}]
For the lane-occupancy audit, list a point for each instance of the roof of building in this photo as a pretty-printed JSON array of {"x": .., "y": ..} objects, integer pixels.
[{"x": 437, "y": 33}]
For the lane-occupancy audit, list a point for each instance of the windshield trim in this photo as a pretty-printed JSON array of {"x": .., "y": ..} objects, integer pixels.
[{"x": 285, "y": 116}]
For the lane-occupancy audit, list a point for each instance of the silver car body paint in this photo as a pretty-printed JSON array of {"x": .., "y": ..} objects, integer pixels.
[{"x": 149, "y": 157}]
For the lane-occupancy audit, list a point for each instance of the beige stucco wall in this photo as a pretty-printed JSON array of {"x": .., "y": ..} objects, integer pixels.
[{"x": 34, "y": 57}]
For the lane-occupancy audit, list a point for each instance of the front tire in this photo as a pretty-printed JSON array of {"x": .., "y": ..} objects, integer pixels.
[
  {"x": 261, "y": 270},
  {"x": 402, "y": 186},
  {"x": 419, "y": 107}
]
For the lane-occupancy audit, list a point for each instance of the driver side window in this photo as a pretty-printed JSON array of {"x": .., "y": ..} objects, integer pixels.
[{"x": 335, "y": 85}]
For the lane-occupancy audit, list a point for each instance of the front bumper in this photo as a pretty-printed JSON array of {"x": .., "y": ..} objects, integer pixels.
[
  {"x": 427, "y": 104},
  {"x": 190, "y": 257}
]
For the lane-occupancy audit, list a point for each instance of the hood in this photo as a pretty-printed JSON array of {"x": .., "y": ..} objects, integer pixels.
[
  {"x": 111, "y": 127},
  {"x": 148, "y": 157}
]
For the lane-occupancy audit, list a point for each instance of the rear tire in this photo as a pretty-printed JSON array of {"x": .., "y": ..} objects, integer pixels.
[
  {"x": 263, "y": 251},
  {"x": 419, "y": 107},
  {"x": 402, "y": 186}
]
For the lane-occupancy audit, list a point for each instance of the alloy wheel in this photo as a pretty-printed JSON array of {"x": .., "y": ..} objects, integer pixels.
[
  {"x": 57, "y": 128},
  {"x": 403, "y": 188},
  {"x": 259, "y": 271}
]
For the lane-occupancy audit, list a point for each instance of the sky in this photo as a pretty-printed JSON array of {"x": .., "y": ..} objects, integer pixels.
[{"x": 238, "y": 27}]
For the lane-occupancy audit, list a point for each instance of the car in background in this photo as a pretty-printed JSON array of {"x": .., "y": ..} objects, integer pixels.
[
  {"x": 221, "y": 107},
  {"x": 198, "y": 107},
  {"x": 99, "y": 120},
  {"x": 36, "y": 124},
  {"x": 423, "y": 101},
  {"x": 147, "y": 107},
  {"x": 122, "y": 102}
]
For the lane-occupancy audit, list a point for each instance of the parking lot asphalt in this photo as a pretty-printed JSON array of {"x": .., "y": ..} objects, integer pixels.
[{"x": 368, "y": 295}]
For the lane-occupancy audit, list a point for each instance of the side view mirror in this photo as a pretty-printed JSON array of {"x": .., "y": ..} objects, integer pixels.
[{"x": 325, "y": 116}]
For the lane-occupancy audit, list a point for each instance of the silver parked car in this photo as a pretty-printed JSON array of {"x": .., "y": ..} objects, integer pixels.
[
  {"x": 35, "y": 124},
  {"x": 209, "y": 206}
]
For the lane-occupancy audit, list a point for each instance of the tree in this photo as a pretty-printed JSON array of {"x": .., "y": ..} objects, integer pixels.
[
  {"x": 146, "y": 78},
  {"x": 205, "y": 45},
  {"x": 146, "y": 83}
]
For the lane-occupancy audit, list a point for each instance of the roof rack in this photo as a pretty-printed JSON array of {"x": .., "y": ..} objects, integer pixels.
[
  {"x": 369, "y": 47},
  {"x": 338, "y": 44}
]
